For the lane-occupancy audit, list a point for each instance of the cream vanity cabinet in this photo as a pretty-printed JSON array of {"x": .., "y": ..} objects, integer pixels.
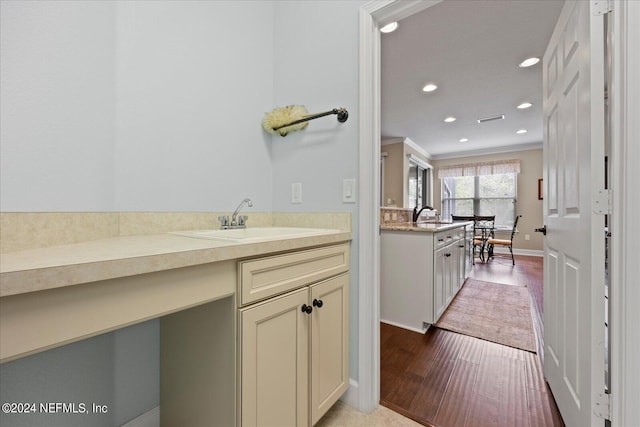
[
  {"x": 421, "y": 271},
  {"x": 293, "y": 326}
]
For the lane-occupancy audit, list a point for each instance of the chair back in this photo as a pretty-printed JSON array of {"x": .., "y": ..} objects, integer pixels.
[
  {"x": 461, "y": 218},
  {"x": 515, "y": 224},
  {"x": 484, "y": 223}
]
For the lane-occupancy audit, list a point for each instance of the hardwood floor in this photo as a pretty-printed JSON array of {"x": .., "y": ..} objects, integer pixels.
[{"x": 446, "y": 379}]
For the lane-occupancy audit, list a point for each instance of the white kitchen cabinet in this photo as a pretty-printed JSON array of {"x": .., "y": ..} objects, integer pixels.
[
  {"x": 421, "y": 271},
  {"x": 294, "y": 348}
]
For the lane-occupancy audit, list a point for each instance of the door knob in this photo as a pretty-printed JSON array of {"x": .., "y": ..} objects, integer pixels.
[{"x": 542, "y": 230}]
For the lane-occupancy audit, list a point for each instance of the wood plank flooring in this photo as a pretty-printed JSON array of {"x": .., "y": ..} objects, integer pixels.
[{"x": 446, "y": 379}]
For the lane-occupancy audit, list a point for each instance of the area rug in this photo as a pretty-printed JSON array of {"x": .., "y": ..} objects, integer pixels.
[{"x": 493, "y": 312}]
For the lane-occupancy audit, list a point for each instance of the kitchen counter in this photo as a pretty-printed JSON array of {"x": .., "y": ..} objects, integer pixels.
[{"x": 429, "y": 227}]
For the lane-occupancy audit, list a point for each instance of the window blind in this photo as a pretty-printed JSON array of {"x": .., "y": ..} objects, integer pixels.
[{"x": 477, "y": 169}]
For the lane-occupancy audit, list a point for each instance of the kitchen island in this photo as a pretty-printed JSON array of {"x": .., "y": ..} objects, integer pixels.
[{"x": 422, "y": 267}]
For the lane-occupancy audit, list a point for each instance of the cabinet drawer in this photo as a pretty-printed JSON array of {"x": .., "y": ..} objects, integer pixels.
[
  {"x": 265, "y": 277},
  {"x": 443, "y": 238}
]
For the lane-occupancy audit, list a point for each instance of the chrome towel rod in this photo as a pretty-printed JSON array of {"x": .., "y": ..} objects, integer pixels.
[{"x": 342, "y": 113}]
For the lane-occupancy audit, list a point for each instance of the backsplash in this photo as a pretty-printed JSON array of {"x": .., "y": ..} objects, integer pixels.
[
  {"x": 30, "y": 230},
  {"x": 393, "y": 215}
]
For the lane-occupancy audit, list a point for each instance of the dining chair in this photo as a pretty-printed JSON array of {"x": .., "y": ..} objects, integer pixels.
[
  {"x": 504, "y": 242},
  {"x": 483, "y": 230},
  {"x": 462, "y": 217},
  {"x": 469, "y": 233}
]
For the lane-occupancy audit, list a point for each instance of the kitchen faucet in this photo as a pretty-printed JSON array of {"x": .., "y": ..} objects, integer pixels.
[
  {"x": 416, "y": 212},
  {"x": 241, "y": 221}
]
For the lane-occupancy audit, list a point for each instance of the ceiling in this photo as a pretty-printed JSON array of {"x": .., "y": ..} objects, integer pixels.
[{"x": 471, "y": 49}]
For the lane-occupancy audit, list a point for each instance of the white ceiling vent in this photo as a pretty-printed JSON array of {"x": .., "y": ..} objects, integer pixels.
[{"x": 489, "y": 119}]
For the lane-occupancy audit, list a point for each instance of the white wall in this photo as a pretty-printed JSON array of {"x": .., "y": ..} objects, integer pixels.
[
  {"x": 57, "y": 106},
  {"x": 316, "y": 65},
  {"x": 124, "y": 106},
  {"x": 193, "y": 80}
]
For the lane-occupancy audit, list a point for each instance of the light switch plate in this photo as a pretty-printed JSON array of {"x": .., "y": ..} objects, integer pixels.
[
  {"x": 296, "y": 192},
  {"x": 349, "y": 190}
]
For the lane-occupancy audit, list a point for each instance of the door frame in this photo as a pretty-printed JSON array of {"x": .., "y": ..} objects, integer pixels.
[
  {"x": 625, "y": 153},
  {"x": 625, "y": 339}
]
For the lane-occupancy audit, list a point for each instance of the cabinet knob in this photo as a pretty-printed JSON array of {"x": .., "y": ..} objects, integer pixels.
[
  {"x": 317, "y": 303},
  {"x": 447, "y": 255},
  {"x": 440, "y": 240},
  {"x": 306, "y": 308}
]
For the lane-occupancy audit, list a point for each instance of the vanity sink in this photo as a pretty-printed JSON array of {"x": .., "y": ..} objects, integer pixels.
[{"x": 255, "y": 234}]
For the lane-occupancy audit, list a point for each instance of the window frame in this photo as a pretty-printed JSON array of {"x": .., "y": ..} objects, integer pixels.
[
  {"x": 423, "y": 171},
  {"x": 476, "y": 199}
]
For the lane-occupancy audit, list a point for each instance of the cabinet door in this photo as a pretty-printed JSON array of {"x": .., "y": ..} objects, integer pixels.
[
  {"x": 462, "y": 265},
  {"x": 274, "y": 358},
  {"x": 329, "y": 344},
  {"x": 439, "y": 283}
]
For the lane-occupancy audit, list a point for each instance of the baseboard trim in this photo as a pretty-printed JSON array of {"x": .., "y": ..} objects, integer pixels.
[
  {"x": 351, "y": 396},
  {"x": 409, "y": 328},
  {"x": 148, "y": 419}
]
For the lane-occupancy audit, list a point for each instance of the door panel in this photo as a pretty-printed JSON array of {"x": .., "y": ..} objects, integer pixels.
[{"x": 573, "y": 156}]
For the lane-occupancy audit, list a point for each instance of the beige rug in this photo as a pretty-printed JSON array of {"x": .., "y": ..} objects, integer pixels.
[{"x": 492, "y": 312}]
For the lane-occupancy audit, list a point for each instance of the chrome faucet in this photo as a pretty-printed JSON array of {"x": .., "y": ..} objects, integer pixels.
[{"x": 240, "y": 222}]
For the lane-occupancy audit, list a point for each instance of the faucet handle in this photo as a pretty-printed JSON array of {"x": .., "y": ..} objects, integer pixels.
[
  {"x": 242, "y": 220},
  {"x": 224, "y": 221}
]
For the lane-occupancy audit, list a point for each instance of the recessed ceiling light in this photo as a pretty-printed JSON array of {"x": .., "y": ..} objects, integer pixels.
[
  {"x": 450, "y": 119},
  {"x": 389, "y": 28},
  {"x": 529, "y": 62},
  {"x": 464, "y": 139},
  {"x": 521, "y": 131},
  {"x": 524, "y": 105},
  {"x": 429, "y": 88}
]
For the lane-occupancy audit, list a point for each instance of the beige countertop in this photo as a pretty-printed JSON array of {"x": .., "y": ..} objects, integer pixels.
[
  {"x": 429, "y": 227},
  {"x": 86, "y": 262}
]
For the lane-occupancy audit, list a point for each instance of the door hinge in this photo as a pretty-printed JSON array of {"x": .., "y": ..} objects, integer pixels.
[
  {"x": 602, "y": 406},
  {"x": 600, "y": 7},
  {"x": 602, "y": 202}
]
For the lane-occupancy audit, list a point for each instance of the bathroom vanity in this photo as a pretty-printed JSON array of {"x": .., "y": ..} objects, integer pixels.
[
  {"x": 422, "y": 267},
  {"x": 254, "y": 330}
]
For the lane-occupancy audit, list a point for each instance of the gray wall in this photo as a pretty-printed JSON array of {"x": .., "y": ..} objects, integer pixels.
[
  {"x": 123, "y": 106},
  {"x": 316, "y": 64},
  {"x": 141, "y": 105}
]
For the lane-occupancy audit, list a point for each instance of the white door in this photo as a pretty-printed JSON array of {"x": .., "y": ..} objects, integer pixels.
[{"x": 574, "y": 245}]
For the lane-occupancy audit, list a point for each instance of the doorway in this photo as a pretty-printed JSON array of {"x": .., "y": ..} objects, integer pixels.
[{"x": 372, "y": 16}]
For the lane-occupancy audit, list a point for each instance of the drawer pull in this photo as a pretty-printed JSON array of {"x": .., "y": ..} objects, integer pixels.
[
  {"x": 447, "y": 255},
  {"x": 317, "y": 303},
  {"x": 306, "y": 309},
  {"x": 448, "y": 237}
]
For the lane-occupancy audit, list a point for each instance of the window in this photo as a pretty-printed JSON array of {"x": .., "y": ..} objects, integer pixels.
[
  {"x": 419, "y": 185},
  {"x": 481, "y": 195}
]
